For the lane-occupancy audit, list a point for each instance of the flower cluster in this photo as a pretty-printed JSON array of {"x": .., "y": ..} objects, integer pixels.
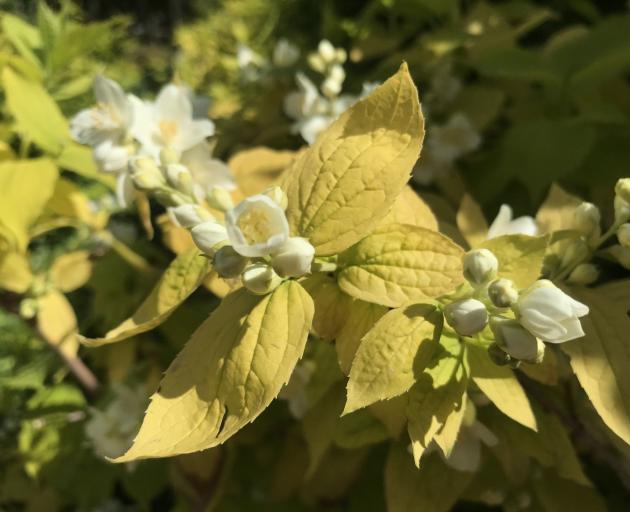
[
  {"x": 521, "y": 320},
  {"x": 172, "y": 130}
]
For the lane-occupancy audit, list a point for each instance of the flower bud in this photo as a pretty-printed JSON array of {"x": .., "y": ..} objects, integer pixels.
[
  {"x": 179, "y": 177},
  {"x": 277, "y": 195},
  {"x": 285, "y": 54},
  {"x": 326, "y": 51},
  {"x": 622, "y": 210},
  {"x": 220, "y": 199},
  {"x": 331, "y": 87},
  {"x": 146, "y": 174},
  {"x": 584, "y": 274},
  {"x": 28, "y": 308},
  {"x": 293, "y": 258},
  {"x": 208, "y": 235},
  {"x": 480, "y": 266},
  {"x": 516, "y": 341},
  {"x": 623, "y": 234},
  {"x": 586, "y": 219},
  {"x": 260, "y": 279},
  {"x": 622, "y": 189},
  {"x": 169, "y": 156},
  {"x": 228, "y": 263},
  {"x": 503, "y": 293},
  {"x": 341, "y": 55},
  {"x": 189, "y": 215},
  {"x": 316, "y": 62},
  {"x": 467, "y": 316},
  {"x": 622, "y": 255}
]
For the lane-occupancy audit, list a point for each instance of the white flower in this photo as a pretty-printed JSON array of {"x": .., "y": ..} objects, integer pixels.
[
  {"x": 260, "y": 279},
  {"x": 110, "y": 156},
  {"x": 294, "y": 257},
  {"x": 467, "y": 316},
  {"x": 207, "y": 172},
  {"x": 622, "y": 189},
  {"x": 208, "y": 235},
  {"x": 285, "y": 53},
  {"x": 505, "y": 224},
  {"x": 188, "y": 215},
  {"x": 257, "y": 226},
  {"x": 480, "y": 266},
  {"x": 125, "y": 189},
  {"x": 549, "y": 313},
  {"x": 168, "y": 123},
  {"x": 623, "y": 234},
  {"x": 452, "y": 140},
  {"x": 517, "y": 341}
]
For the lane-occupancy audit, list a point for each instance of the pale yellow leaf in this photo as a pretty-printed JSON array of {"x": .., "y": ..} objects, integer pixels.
[
  {"x": 557, "y": 494},
  {"x": 409, "y": 208},
  {"x": 393, "y": 354},
  {"x": 71, "y": 271},
  {"x": 69, "y": 201},
  {"x": 15, "y": 272},
  {"x": 601, "y": 359},
  {"x": 229, "y": 371},
  {"x": 547, "y": 372},
  {"x": 392, "y": 414},
  {"x": 57, "y": 322},
  {"x": 501, "y": 386},
  {"x": 471, "y": 222},
  {"x": 258, "y": 168},
  {"x": 26, "y": 187},
  {"x": 361, "y": 318},
  {"x": 181, "y": 278},
  {"x": 331, "y": 305},
  {"x": 347, "y": 181},
  {"x": 520, "y": 257},
  {"x": 80, "y": 160},
  {"x": 557, "y": 211},
  {"x": 398, "y": 264}
]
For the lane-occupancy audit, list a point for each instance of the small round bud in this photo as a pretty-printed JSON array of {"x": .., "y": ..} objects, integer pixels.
[
  {"x": 622, "y": 210},
  {"x": 146, "y": 174},
  {"x": 220, "y": 199},
  {"x": 277, "y": 195},
  {"x": 294, "y": 257},
  {"x": 189, "y": 215},
  {"x": 622, "y": 189},
  {"x": 584, "y": 274},
  {"x": 169, "y": 156},
  {"x": 517, "y": 341},
  {"x": 623, "y": 234},
  {"x": 341, "y": 55},
  {"x": 228, "y": 263},
  {"x": 326, "y": 51},
  {"x": 467, "y": 316},
  {"x": 208, "y": 236},
  {"x": 622, "y": 255},
  {"x": 480, "y": 266},
  {"x": 586, "y": 219},
  {"x": 331, "y": 88},
  {"x": 260, "y": 279},
  {"x": 316, "y": 62},
  {"x": 28, "y": 308},
  {"x": 285, "y": 54},
  {"x": 503, "y": 293},
  {"x": 179, "y": 177}
]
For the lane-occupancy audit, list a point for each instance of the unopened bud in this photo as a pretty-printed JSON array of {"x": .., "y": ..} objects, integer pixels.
[
  {"x": 622, "y": 210},
  {"x": 467, "y": 316},
  {"x": 517, "y": 341},
  {"x": 146, "y": 174},
  {"x": 503, "y": 293},
  {"x": 277, "y": 195},
  {"x": 331, "y": 87},
  {"x": 285, "y": 53},
  {"x": 316, "y": 62},
  {"x": 294, "y": 257},
  {"x": 228, "y": 263},
  {"x": 220, "y": 199},
  {"x": 622, "y": 255},
  {"x": 169, "y": 156},
  {"x": 179, "y": 177},
  {"x": 480, "y": 266},
  {"x": 189, "y": 215},
  {"x": 586, "y": 219},
  {"x": 622, "y": 189},
  {"x": 623, "y": 234},
  {"x": 208, "y": 236},
  {"x": 28, "y": 308},
  {"x": 584, "y": 274},
  {"x": 337, "y": 73},
  {"x": 260, "y": 279},
  {"x": 341, "y": 55},
  {"x": 326, "y": 51}
]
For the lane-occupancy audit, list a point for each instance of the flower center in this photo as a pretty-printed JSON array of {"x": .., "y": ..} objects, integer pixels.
[
  {"x": 168, "y": 131},
  {"x": 255, "y": 225}
]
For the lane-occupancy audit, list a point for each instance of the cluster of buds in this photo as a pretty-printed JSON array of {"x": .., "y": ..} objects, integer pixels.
[
  {"x": 329, "y": 61},
  {"x": 621, "y": 252},
  {"x": 520, "y": 320},
  {"x": 252, "y": 243}
]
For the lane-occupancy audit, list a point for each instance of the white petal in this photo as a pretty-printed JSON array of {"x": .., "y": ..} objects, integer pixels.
[
  {"x": 172, "y": 104},
  {"x": 573, "y": 329},
  {"x": 109, "y": 92},
  {"x": 83, "y": 128},
  {"x": 312, "y": 127},
  {"x": 192, "y": 133},
  {"x": 501, "y": 223},
  {"x": 578, "y": 308},
  {"x": 125, "y": 191},
  {"x": 541, "y": 325},
  {"x": 523, "y": 226},
  {"x": 110, "y": 157}
]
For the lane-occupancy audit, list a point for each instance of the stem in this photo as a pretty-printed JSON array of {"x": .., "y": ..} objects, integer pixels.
[{"x": 125, "y": 252}]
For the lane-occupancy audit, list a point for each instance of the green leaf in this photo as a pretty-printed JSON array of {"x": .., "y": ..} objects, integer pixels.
[
  {"x": 348, "y": 180},
  {"x": 520, "y": 257},
  {"x": 501, "y": 386},
  {"x": 26, "y": 186},
  {"x": 398, "y": 264},
  {"x": 37, "y": 116},
  {"x": 433, "y": 488},
  {"x": 79, "y": 159},
  {"x": 24, "y": 37},
  {"x": 393, "y": 354},
  {"x": 331, "y": 305},
  {"x": 601, "y": 359},
  {"x": 438, "y": 393},
  {"x": 183, "y": 276},
  {"x": 231, "y": 369},
  {"x": 556, "y": 494}
]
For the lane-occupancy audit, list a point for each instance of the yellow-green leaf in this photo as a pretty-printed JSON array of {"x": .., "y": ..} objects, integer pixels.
[
  {"x": 347, "y": 181},
  {"x": 57, "y": 322},
  {"x": 500, "y": 385},
  {"x": 331, "y": 305},
  {"x": 601, "y": 359},
  {"x": 37, "y": 116},
  {"x": 231, "y": 369},
  {"x": 71, "y": 271},
  {"x": 520, "y": 257},
  {"x": 26, "y": 186},
  {"x": 557, "y": 212},
  {"x": 183, "y": 276},
  {"x": 393, "y": 354},
  {"x": 409, "y": 208},
  {"x": 433, "y": 488},
  {"x": 437, "y": 393},
  {"x": 557, "y": 494},
  {"x": 471, "y": 222},
  {"x": 15, "y": 272},
  {"x": 398, "y": 264},
  {"x": 256, "y": 169},
  {"x": 79, "y": 159}
]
